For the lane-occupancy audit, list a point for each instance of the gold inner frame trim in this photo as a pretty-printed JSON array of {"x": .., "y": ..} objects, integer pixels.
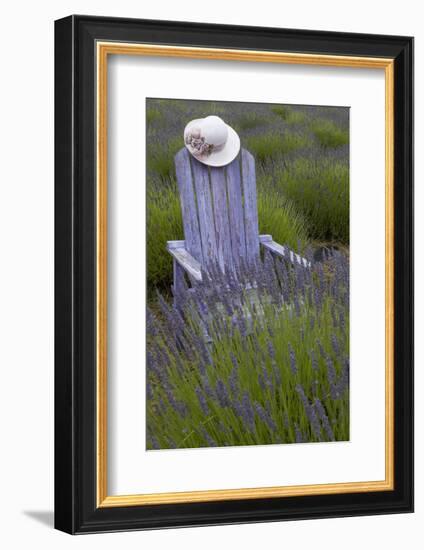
[{"x": 103, "y": 50}]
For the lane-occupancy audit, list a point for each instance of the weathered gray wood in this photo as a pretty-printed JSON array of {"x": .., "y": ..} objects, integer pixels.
[
  {"x": 282, "y": 251},
  {"x": 205, "y": 211},
  {"x": 222, "y": 222},
  {"x": 176, "y": 244},
  {"x": 220, "y": 217},
  {"x": 179, "y": 285},
  {"x": 188, "y": 203},
  {"x": 250, "y": 206},
  {"x": 187, "y": 262},
  {"x": 235, "y": 210}
]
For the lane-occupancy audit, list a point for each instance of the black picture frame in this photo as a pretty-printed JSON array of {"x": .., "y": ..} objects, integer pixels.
[{"x": 76, "y": 510}]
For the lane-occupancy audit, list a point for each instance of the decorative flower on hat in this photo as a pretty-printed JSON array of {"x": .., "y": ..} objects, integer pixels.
[{"x": 198, "y": 145}]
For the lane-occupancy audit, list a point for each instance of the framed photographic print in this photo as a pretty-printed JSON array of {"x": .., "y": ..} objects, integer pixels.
[{"x": 234, "y": 270}]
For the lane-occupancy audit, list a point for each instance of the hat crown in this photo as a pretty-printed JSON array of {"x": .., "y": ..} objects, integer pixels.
[
  {"x": 211, "y": 141},
  {"x": 214, "y": 130}
]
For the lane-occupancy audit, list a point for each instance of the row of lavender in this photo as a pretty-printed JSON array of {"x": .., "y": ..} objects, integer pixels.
[{"x": 258, "y": 357}]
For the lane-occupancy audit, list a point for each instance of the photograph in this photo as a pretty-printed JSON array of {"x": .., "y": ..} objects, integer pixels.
[
  {"x": 247, "y": 239},
  {"x": 234, "y": 269}
]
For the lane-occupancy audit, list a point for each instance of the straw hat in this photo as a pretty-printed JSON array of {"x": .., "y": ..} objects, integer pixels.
[{"x": 211, "y": 141}]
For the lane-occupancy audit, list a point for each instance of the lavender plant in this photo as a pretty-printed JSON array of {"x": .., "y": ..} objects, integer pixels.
[{"x": 258, "y": 355}]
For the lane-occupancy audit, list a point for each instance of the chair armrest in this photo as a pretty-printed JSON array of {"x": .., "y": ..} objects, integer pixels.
[
  {"x": 185, "y": 259},
  {"x": 282, "y": 251}
]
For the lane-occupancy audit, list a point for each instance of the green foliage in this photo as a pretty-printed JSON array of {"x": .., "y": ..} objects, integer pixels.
[
  {"x": 164, "y": 224},
  {"x": 282, "y": 111},
  {"x": 250, "y": 120},
  {"x": 161, "y": 157},
  {"x": 328, "y": 134},
  {"x": 271, "y": 146},
  {"x": 319, "y": 189},
  {"x": 288, "y": 114},
  {"x": 153, "y": 115},
  {"x": 279, "y": 218}
]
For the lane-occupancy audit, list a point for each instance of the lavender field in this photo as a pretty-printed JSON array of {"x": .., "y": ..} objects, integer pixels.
[{"x": 260, "y": 356}]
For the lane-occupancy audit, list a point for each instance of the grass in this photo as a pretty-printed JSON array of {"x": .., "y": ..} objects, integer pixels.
[
  {"x": 288, "y": 114},
  {"x": 329, "y": 134},
  {"x": 279, "y": 218},
  {"x": 269, "y": 146},
  {"x": 164, "y": 223},
  {"x": 154, "y": 116},
  {"x": 249, "y": 121},
  {"x": 161, "y": 157},
  {"x": 319, "y": 189}
]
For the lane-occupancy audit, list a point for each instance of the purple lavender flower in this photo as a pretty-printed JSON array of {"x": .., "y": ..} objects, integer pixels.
[
  {"x": 277, "y": 374},
  {"x": 162, "y": 405},
  {"x": 292, "y": 357},
  {"x": 242, "y": 325},
  {"x": 233, "y": 381},
  {"x": 335, "y": 344},
  {"x": 271, "y": 350},
  {"x": 207, "y": 388},
  {"x": 182, "y": 409},
  {"x": 334, "y": 316},
  {"x": 318, "y": 297},
  {"x": 234, "y": 360},
  {"x": 331, "y": 371},
  {"x": 171, "y": 443},
  {"x": 342, "y": 321},
  {"x": 300, "y": 277},
  {"x": 171, "y": 399},
  {"x": 324, "y": 419},
  {"x": 154, "y": 443},
  {"x": 299, "y": 436},
  {"x": 222, "y": 427},
  {"x": 248, "y": 414},
  {"x": 202, "y": 401},
  {"x": 314, "y": 362},
  {"x": 261, "y": 382},
  {"x": 296, "y": 304},
  {"x": 343, "y": 382},
  {"x": 321, "y": 349},
  {"x": 265, "y": 417},
  {"x": 310, "y": 412},
  {"x": 209, "y": 440},
  {"x": 267, "y": 378},
  {"x": 222, "y": 394}
]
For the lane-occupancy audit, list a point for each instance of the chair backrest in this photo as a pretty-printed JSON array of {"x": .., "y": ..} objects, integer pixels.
[{"x": 219, "y": 210}]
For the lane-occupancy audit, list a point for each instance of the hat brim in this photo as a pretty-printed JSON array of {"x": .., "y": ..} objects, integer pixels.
[{"x": 222, "y": 157}]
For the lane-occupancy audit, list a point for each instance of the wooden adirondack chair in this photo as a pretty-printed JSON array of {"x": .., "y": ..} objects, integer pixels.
[{"x": 220, "y": 219}]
